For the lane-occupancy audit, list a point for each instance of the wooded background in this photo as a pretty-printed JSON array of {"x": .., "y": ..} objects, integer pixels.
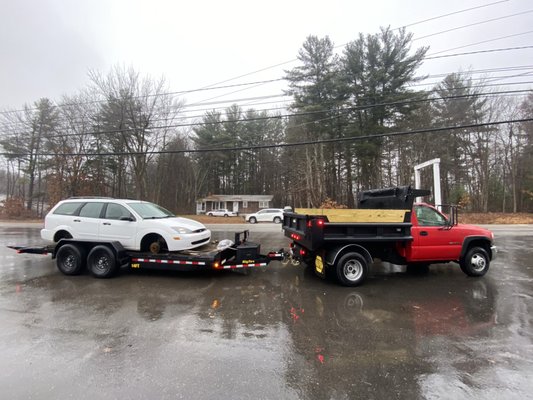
[{"x": 350, "y": 126}]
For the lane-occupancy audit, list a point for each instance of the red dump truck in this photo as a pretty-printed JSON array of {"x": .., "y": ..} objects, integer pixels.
[{"x": 389, "y": 226}]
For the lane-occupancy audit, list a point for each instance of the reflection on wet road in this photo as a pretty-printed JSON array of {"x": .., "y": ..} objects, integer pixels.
[{"x": 276, "y": 332}]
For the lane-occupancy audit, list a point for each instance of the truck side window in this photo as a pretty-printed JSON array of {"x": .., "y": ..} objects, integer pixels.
[{"x": 428, "y": 217}]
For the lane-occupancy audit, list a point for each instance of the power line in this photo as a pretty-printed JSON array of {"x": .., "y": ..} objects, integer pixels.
[
  {"x": 473, "y": 24},
  {"x": 479, "y": 52},
  {"x": 300, "y": 114},
  {"x": 173, "y": 116},
  {"x": 482, "y": 42},
  {"x": 282, "y": 145}
]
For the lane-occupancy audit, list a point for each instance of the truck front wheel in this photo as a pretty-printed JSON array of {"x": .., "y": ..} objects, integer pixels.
[
  {"x": 476, "y": 262},
  {"x": 351, "y": 269}
]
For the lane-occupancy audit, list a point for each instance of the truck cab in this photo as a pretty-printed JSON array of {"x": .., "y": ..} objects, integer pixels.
[{"x": 437, "y": 237}]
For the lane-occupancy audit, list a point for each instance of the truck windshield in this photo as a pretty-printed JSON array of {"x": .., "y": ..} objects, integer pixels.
[
  {"x": 429, "y": 217},
  {"x": 150, "y": 211}
]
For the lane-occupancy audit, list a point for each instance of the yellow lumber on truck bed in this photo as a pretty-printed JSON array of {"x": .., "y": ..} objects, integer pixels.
[{"x": 356, "y": 215}]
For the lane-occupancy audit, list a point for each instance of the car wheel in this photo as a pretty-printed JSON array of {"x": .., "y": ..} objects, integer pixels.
[
  {"x": 209, "y": 214},
  {"x": 70, "y": 259},
  {"x": 252, "y": 220},
  {"x": 102, "y": 262},
  {"x": 154, "y": 244},
  {"x": 225, "y": 215},
  {"x": 62, "y": 235},
  {"x": 277, "y": 220}
]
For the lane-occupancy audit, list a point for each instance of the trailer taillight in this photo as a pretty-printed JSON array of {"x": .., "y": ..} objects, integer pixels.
[
  {"x": 302, "y": 252},
  {"x": 295, "y": 236},
  {"x": 320, "y": 222}
]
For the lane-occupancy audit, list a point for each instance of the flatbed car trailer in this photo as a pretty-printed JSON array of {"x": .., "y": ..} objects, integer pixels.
[{"x": 105, "y": 259}]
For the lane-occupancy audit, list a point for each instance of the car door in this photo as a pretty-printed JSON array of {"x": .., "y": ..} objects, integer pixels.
[
  {"x": 86, "y": 223},
  {"x": 433, "y": 240},
  {"x": 262, "y": 216},
  {"x": 118, "y": 224}
]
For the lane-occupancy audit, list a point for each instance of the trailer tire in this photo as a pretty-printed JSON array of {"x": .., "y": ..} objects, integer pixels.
[
  {"x": 351, "y": 269},
  {"x": 70, "y": 259},
  {"x": 102, "y": 262},
  {"x": 476, "y": 262}
]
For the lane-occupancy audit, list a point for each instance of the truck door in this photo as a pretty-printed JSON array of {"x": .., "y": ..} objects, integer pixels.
[{"x": 433, "y": 240}]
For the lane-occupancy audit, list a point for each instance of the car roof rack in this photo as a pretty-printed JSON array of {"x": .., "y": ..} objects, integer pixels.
[{"x": 89, "y": 197}]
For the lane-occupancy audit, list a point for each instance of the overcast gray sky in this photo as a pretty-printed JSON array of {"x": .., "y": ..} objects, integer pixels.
[{"x": 48, "y": 46}]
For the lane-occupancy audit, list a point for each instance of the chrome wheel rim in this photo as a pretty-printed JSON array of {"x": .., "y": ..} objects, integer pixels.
[
  {"x": 478, "y": 262},
  {"x": 353, "y": 270}
]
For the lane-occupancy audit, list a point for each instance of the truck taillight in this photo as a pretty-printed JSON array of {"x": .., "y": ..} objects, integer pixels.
[
  {"x": 318, "y": 222},
  {"x": 302, "y": 252}
]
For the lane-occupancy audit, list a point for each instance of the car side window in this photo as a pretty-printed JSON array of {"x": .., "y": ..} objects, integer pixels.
[
  {"x": 116, "y": 211},
  {"x": 428, "y": 217},
  {"x": 69, "y": 208},
  {"x": 91, "y": 210}
]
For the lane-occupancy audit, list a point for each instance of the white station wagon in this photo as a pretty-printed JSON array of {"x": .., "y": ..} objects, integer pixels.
[{"x": 137, "y": 225}]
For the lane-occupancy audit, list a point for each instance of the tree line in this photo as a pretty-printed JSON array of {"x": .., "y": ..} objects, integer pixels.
[{"x": 123, "y": 136}]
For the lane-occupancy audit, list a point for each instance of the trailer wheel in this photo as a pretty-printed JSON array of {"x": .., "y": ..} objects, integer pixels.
[
  {"x": 102, "y": 262},
  {"x": 476, "y": 262},
  {"x": 351, "y": 269},
  {"x": 70, "y": 259}
]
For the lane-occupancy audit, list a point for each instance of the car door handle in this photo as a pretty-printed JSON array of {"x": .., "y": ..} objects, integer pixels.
[
  {"x": 106, "y": 223},
  {"x": 424, "y": 233},
  {"x": 77, "y": 220}
]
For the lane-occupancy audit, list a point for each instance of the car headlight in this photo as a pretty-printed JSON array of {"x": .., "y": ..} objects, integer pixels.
[{"x": 181, "y": 230}]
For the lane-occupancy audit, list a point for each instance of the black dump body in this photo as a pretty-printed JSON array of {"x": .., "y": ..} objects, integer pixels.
[{"x": 395, "y": 198}]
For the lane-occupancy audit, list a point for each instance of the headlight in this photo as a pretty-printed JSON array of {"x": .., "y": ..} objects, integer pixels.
[{"x": 181, "y": 229}]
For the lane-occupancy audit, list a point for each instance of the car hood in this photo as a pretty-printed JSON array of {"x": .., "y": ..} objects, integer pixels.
[{"x": 179, "y": 222}]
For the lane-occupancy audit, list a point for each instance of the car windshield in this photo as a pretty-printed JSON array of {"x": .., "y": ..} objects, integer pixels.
[{"x": 150, "y": 211}]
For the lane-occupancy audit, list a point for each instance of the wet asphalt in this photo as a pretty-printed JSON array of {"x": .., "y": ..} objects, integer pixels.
[{"x": 278, "y": 332}]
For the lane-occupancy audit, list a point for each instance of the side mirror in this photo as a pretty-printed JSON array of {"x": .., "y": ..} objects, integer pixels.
[{"x": 123, "y": 218}]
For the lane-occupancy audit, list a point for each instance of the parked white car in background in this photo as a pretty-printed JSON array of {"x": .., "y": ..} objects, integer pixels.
[
  {"x": 137, "y": 225},
  {"x": 222, "y": 212},
  {"x": 267, "y": 215}
]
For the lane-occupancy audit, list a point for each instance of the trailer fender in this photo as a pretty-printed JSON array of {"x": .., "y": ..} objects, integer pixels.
[{"x": 332, "y": 255}]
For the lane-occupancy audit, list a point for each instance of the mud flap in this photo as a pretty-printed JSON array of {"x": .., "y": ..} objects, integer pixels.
[{"x": 320, "y": 267}]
